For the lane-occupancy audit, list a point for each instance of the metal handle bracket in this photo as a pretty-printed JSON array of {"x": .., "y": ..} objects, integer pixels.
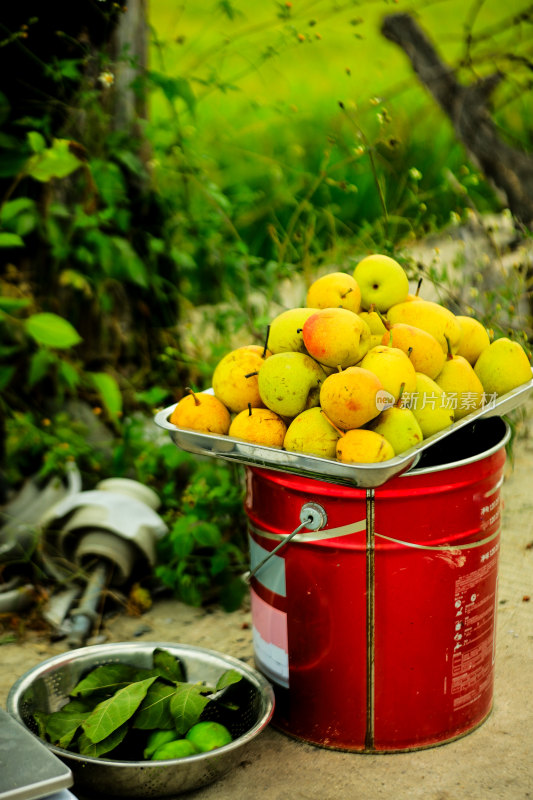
[{"x": 312, "y": 516}]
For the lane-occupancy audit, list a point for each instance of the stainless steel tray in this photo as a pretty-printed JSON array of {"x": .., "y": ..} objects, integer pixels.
[{"x": 366, "y": 476}]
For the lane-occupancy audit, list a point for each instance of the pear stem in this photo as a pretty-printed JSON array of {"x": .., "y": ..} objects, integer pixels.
[
  {"x": 251, "y": 374},
  {"x": 384, "y": 319},
  {"x": 399, "y": 400},
  {"x": 342, "y": 433},
  {"x": 346, "y": 292},
  {"x": 188, "y": 390},
  {"x": 263, "y": 354},
  {"x": 409, "y": 351},
  {"x": 449, "y": 354},
  {"x": 249, "y": 409},
  {"x": 418, "y": 285}
]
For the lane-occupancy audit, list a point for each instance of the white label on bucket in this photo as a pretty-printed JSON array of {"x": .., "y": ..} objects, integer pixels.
[
  {"x": 474, "y": 634},
  {"x": 270, "y": 640},
  {"x": 272, "y": 573}
]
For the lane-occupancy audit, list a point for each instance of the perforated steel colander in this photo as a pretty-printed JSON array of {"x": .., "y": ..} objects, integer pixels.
[{"x": 46, "y": 688}]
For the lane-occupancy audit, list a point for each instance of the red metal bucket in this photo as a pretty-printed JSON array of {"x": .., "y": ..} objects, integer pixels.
[{"x": 378, "y": 629}]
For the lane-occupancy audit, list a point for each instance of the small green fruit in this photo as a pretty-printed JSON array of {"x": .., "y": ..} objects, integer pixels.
[
  {"x": 178, "y": 748},
  {"x": 156, "y": 739},
  {"x": 207, "y": 736}
]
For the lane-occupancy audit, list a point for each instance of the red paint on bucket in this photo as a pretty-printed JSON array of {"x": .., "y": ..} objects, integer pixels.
[{"x": 378, "y": 631}]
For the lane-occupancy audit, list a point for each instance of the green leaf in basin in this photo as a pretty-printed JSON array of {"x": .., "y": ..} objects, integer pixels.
[
  {"x": 105, "y": 680},
  {"x": 93, "y": 750},
  {"x": 110, "y": 714},
  {"x": 61, "y": 726},
  {"x": 154, "y": 711},
  {"x": 186, "y": 705},
  {"x": 168, "y": 666},
  {"x": 228, "y": 678}
]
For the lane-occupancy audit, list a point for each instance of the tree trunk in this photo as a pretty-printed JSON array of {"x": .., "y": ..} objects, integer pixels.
[
  {"x": 129, "y": 50},
  {"x": 510, "y": 170}
]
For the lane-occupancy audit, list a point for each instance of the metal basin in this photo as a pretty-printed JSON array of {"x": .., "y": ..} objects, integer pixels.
[{"x": 46, "y": 688}]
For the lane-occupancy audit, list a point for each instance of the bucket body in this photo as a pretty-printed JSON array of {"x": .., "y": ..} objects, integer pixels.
[{"x": 378, "y": 630}]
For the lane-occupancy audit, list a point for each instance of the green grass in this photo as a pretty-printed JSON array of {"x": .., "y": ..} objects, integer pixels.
[
  {"x": 268, "y": 70},
  {"x": 257, "y": 150}
]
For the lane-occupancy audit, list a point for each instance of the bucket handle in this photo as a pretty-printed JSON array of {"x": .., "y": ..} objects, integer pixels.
[{"x": 312, "y": 516}]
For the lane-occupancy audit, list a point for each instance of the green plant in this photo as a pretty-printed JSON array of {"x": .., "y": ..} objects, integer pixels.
[{"x": 205, "y": 552}]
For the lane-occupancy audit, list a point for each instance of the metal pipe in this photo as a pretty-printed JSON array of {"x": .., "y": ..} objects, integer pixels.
[{"x": 84, "y": 616}]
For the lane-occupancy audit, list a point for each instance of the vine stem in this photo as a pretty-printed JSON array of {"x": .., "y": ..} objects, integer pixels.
[{"x": 370, "y": 152}]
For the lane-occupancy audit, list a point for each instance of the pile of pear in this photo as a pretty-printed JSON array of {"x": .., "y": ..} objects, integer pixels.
[{"x": 363, "y": 372}]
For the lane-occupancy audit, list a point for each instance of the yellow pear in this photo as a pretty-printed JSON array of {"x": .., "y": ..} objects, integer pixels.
[
  {"x": 458, "y": 379},
  {"x": 363, "y": 447},
  {"x": 399, "y": 426},
  {"x": 351, "y": 398},
  {"x": 393, "y": 368},
  {"x": 503, "y": 366},
  {"x": 234, "y": 380},
  {"x": 474, "y": 338},
  {"x": 375, "y": 323},
  {"x": 335, "y": 290},
  {"x": 201, "y": 412},
  {"x": 425, "y": 353},
  {"x": 311, "y": 432},
  {"x": 259, "y": 426},
  {"x": 336, "y": 337},
  {"x": 285, "y": 332},
  {"x": 431, "y": 406},
  {"x": 416, "y": 296},
  {"x": 383, "y": 282},
  {"x": 431, "y": 317}
]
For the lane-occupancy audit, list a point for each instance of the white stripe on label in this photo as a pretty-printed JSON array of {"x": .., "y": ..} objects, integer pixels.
[{"x": 270, "y": 639}]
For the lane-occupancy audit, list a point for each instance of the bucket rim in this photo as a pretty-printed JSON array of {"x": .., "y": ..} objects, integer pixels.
[{"x": 463, "y": 461}]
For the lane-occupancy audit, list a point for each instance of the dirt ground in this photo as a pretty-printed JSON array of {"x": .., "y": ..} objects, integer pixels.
[{"x": 494, "y": 761}]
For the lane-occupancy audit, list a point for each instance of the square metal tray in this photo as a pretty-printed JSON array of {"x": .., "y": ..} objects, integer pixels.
[
  {"x": 367, "y": 476},
  {"x": 28, "y": 769}
]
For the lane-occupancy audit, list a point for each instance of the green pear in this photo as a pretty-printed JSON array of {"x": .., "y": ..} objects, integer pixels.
[
  {"x": 458, "y": 379},
  {"x": 311, "y": 432},
  {"x": 383, "y": 282},
  {"x": 290, "y": 382},
  {"x": 431, "y": 317},
  {"x": 376, "y": 325},
  {"x": 286, "y": 331},
  {"x": 431, "y": 406},
  {"x": 503, "y": 366},
  {"x": 400, "y": 428}
]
